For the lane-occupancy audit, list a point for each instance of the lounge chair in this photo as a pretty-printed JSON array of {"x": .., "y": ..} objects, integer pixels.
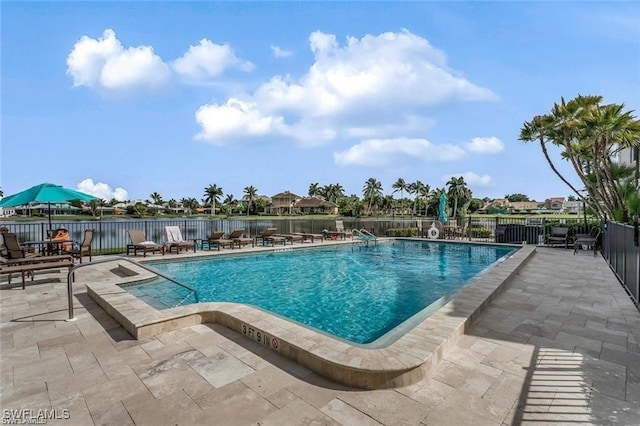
[
  {"x": 216, "y": 240},
  {"x": 27, "y": 266},
  {"x": 84, "y": 249},
  {"x": 274, "y": 239},
  {"x": 588, "y": 240},
  {"x": 140, "y": 243},
  {"x": 558, "y": 234},
  {"x": 266, "y": 234},
  {"x": 173, "y": 239},
  {"x": 307, "y": 236},
  {"x": 237, "y": 237},
  {"x": 291, "y": 238}
]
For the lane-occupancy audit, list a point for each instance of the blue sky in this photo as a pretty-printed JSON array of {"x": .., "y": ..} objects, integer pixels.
[{"x": 122, "y": 99}]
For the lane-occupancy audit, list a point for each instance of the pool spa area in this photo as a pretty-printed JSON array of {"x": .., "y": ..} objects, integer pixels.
[{"x": 366, "y": 315}]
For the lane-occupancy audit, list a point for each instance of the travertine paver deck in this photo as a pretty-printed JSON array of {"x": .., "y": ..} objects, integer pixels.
[{"x": 560, "y": 344}]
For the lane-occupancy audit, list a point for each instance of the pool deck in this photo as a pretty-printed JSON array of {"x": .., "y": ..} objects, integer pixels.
[{"x": 559, "y": 343}]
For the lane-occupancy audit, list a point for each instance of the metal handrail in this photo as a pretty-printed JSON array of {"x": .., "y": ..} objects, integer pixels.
[
  {"x": 364, "y": 234},
  {"x": 111, "y": 259}
]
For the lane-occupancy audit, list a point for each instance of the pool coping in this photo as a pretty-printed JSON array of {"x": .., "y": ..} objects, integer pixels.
[{"x": 405, "y": 361}]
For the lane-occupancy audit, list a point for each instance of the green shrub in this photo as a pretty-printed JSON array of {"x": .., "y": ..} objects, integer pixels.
[
  {"x": 480, "y": 232},
  {"x": 402, "y": 232}
]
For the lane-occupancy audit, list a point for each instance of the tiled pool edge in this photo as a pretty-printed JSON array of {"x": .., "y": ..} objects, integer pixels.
[{"x": 406, "y": 361}]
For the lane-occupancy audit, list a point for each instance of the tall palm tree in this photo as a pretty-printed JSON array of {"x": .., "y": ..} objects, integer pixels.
[
  {"x": 458, "y": 191},
  {"x": 415, "y": 188},
  {"x": 400, "y": 185},
  {"x": 425, "y": 193},
  {"x": 371, "y": 190},
  {"x": 212, "y": 194},
  {"x": 251, "y": 192}
]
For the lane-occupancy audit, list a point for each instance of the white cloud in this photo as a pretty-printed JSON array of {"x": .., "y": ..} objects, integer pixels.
[
  {"x": 381, "y": 79},
  {"x": 221, "y": 122},
  {"x": 391, "y": 152},
  {"x": 491, "y": 145},
  {"x": 105, "y": 63},
  {"x": 472, "y": 179},
  {"x": 102, "y": 190},
  {"x": 207, "y": 60},
  {"x": 278, "y": 52}
]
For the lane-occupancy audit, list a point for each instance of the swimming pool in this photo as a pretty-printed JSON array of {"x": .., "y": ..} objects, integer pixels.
[{"x": 355, "y": 292}]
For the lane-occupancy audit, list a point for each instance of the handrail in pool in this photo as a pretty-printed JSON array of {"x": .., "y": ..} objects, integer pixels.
[
  {"x": 111, "y": 259},
  {"x": 364, "y": 235}
]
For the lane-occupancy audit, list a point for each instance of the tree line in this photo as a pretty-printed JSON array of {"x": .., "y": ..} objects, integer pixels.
[{"x": 424, "y": 200}]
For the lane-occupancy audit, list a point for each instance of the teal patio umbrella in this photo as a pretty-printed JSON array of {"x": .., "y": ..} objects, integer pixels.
[
  {"x": 45, "y": 193},
  {"x": 442, "y": 207}
]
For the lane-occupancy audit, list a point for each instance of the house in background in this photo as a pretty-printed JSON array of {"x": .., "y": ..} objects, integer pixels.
[
  {"x": 524, "y": 206},
  {"x": 283, "y": 203},
  {"x": 573, "y": 206},
  {"x": 316, "y": 204},
  {"x": 555, "y": 203}
]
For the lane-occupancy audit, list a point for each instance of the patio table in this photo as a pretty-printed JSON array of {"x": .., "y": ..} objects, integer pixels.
[{"x": 48, "y": 247}]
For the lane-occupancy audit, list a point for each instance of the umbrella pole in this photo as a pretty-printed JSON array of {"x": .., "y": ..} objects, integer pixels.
[{"x": 49, "y": 233}]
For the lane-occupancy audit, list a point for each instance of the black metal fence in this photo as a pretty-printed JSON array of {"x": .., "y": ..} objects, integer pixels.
[
  {"x": 111, "y": 235},
  {"x": 620, "y": 248}
]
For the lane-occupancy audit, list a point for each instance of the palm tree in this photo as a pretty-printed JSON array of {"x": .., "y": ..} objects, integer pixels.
[
  {"x": 589, "y": 134},
  {"x": 458, "y": 191},
  {"x": 171, "y": 204},
  {"x": 314, "y": 189},
  {"x": 251, "y": 192},
  {"x": 156, "y": 198},
  {"x": 425, "y": 192},
  {"x": 332, "y": 192},
  {"x": 400, "y": 185},
  {"x": 212, "y": 193},
  {"x": 229, "y": 203},
  {"x": 416, "y": 189},
  {"x": 190, "y": 203},
  {"x": 371, "y": 190}
]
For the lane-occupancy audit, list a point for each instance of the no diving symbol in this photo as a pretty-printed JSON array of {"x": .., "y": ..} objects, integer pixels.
[{"x": 274, "y": 343}]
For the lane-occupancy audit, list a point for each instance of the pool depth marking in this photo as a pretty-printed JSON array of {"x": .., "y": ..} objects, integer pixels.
[{"x": 261, "y": 337}]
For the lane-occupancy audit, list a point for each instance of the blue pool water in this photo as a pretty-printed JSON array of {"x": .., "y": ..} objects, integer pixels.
[{"x": 358, "y": 293}]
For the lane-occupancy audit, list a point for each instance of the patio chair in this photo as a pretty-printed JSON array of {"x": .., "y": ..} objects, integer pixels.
[
  {"x": 216, "y": 240},
  {"x": 84, "y": 248},
  {"x": 558, "y": 234},
  {"x": 590, "y": 240},
  {"x": 266, "y": 234},
  {"x": 237, "y": 237},
  {"x": 13, "y": 247},
  {"x": 140, "y": 243},
  {"x": 173, "y": 239}
]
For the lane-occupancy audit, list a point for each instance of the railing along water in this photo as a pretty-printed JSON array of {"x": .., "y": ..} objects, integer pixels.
[{"x": 111, "y": 237}]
